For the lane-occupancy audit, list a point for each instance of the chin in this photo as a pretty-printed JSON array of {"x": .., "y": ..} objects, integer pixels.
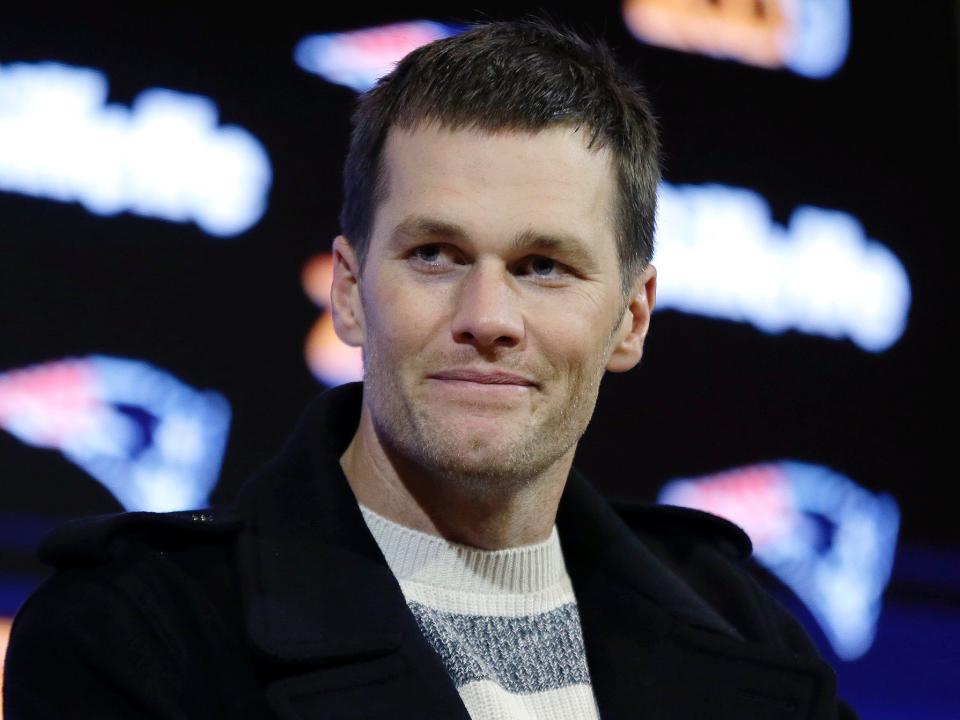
[
  {"x": 495, "y": 460},
  {"x": 481, "y": 477}
]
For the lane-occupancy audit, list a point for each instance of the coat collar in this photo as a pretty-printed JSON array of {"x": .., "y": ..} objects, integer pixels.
[
  {"x": 303, "y": 523},
  {"x": 315, "y": 582}
]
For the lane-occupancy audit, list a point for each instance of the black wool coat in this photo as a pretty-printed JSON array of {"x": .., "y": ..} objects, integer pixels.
[{"x": 282, "y": 606}]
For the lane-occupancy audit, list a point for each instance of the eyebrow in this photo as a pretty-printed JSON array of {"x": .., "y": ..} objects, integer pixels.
[
  {"x": 566, "y": 244},
  {"x": 420, "y": 226}
]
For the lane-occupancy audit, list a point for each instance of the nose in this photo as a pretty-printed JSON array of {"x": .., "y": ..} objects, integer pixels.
[{"x": 488, "y": 313}]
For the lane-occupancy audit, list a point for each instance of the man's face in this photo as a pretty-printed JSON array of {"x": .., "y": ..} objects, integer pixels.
[{"x": 490, "y": 300}]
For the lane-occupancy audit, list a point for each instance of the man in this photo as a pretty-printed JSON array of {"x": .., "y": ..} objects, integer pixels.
[{"x": 422, "y": 547}]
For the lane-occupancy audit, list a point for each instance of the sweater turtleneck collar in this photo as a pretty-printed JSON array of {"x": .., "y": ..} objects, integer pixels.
[{"x": 419, "y": 557}]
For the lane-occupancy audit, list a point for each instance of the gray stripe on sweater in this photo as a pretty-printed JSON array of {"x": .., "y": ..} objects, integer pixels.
[{"x": 525, "y": 654}]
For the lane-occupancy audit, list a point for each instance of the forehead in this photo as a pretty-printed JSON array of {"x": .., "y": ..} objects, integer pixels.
[{"x": 498, "y": 185}]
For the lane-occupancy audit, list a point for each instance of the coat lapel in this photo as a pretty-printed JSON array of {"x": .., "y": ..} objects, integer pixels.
[
  {"x": 655, "y": 649},
  {"x": 322, "y": 608}
]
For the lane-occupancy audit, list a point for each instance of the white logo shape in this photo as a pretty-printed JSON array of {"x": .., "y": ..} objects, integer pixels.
[
  {"x": 164, "y": 157},
  {"x": 720, "y": 254}
]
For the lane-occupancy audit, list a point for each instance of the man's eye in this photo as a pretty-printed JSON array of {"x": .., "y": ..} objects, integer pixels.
[
  {"x": 542, "y": 266},
  {"x": 545, "y": 268},
  {"x": 428, "y": 253}
]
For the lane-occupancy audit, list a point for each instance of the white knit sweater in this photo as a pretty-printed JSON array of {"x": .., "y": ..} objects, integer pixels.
[{"x": 504, "y": 622}]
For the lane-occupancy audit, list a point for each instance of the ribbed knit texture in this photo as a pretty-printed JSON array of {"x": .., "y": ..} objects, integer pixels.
[{"x": 504, "y": 622}]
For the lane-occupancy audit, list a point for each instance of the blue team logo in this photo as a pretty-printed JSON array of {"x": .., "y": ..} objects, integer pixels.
[
  {"x": 828, "y": 539},
  {"x": 151, "y": 440}
]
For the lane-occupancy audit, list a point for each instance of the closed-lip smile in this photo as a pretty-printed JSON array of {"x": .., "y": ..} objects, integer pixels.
[{"x": 483, "y": 377}]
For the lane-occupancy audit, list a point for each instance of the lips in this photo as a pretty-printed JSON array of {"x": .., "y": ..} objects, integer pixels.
[{"x": 484, "y": 377}]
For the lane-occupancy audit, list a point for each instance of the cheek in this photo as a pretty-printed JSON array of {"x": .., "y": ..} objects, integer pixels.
[
  {"x": 400, "y": 314},
  {"x": 572, "y": 334}
]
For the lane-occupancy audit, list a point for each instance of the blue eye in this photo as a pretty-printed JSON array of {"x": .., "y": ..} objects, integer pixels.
[
  {"x": 428, "y": 253},
  {"x": 542, "y": 266}
]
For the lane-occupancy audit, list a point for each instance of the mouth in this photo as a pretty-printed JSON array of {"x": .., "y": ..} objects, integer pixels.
[{"x": 481, "y": 377}]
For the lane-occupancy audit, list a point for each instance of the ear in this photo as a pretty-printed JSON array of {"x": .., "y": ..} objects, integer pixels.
[
  {"x": 345, "y": 305},
  {"x": 633, "y": 328}
]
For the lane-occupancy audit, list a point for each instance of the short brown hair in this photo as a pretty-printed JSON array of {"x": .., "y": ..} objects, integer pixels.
[{"x": 512, "y": 75}]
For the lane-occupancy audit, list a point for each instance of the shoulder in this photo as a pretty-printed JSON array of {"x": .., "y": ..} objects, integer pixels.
[
  {"x": 144, "y": 560},
  {"x": 166, "y": 568},
  {"x": 101, "y": 539},
  {"x": 671, "y": 528},
  {"x": 711, "y": 556},
  {"x": 137, "y": 606},
  {"x": 141, "y": 574}
]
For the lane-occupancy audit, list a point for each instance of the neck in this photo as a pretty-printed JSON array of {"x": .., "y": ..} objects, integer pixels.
[{"x": 405, "y": 493}]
